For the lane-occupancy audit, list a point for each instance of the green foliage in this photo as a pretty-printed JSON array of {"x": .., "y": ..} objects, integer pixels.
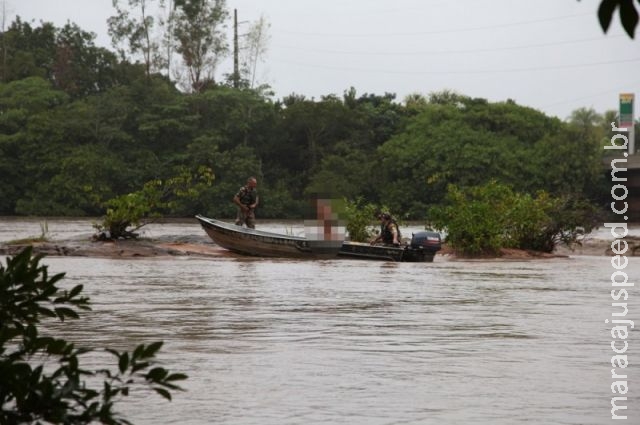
[
  {"x": 484, "y": 219},
  {"x": 542, "y": 223},
  {"x": 31, "y": 95},
  {"x": 83, "y": 180},
  {"x": 79, "y": 127},
  {"x": 474, "y": 220},
  {"x": 199, "y": 37},
  {"x": 136, "y": 30},
  {"x": 28, "y": 51},
  {"x": 232, "y": 169},
  {"x": 41, "y": 377},
  {"x": 359, "y": 216},
  {"x": 277, "y": 201},
  {"x": 139, "y": 208},
  {"x": 66, "y": 57},
  {"x": 468, "y": 142},
  {"x": 345, "y": 173}
]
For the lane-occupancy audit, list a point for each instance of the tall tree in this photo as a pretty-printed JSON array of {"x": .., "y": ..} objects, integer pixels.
[
  {"x": 66, "y": 56},
  {"x": 589, "y": 124},
  {"x": 257, "y": 40},
  {"x": 585, "y": 117},
  {"x": 80, "y": 68},
  {"x": 28, "y": 51},
  {"x": 199, "y": 38},
  {"x": 3, "y": 42},
  {"x": 166, "y": 22},
  {"x": 137, "y": 29}
]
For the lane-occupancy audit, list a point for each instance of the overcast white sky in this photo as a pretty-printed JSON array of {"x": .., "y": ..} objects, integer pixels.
[{"x": 547, "y": 54}]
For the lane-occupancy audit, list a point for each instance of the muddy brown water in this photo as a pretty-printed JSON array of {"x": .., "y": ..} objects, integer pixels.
[{"x": 276, "y": 341}]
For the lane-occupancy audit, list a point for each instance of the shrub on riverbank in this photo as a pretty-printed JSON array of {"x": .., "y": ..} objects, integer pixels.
[
  {"x": 128, "y": 213},
  {"x": 359, "y": 215},
  {"x": 482, "y": 220}
]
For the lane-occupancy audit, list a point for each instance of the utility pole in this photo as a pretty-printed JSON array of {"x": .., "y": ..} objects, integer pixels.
[
  {"x": 236, "y": 71},
  {"x": 4, "y": 43}
]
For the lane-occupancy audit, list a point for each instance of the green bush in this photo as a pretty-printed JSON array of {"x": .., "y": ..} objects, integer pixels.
[
  {"x": 127, "y": 213},
  {"x": 484, "y": 219},
  {"x": 542, "y": 223},
  {"x": 41, "y": 377},
  {"x": 473, "y": 220},
  {"x": 361, "y": 219},
  {"x": 359, "y": 216}
]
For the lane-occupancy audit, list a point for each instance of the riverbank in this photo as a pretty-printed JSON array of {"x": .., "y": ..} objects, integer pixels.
[
  {"x": 201, "y": 246},
  {"x": 128, "y": 248}
]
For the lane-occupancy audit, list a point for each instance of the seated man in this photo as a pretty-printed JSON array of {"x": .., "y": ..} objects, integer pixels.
[{"x": 389, "y": 231}]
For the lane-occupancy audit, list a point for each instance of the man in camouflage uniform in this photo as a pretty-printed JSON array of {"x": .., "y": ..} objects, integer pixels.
[
  {"x": 247, "y": 200},
  {"x": 389, "y": 230}
]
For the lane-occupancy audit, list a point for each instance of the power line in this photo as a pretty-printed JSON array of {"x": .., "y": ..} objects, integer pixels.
[
  {"x": 446, "y": 31},
  {"x": 439, "y": 52},
  {"x": 614, "y": 89},
  {"x": 463, "y": 72}
]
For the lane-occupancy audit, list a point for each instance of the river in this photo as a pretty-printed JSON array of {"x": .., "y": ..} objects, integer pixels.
[{"x": 276, "y": 341}]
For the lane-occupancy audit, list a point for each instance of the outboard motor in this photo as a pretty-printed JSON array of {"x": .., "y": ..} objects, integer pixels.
[
  {"x": 423, "y": 247},
  {"x": 430, "y": 241}
]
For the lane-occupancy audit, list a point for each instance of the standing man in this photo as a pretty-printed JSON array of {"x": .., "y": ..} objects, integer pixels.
[{"x": 247, "y": 200}]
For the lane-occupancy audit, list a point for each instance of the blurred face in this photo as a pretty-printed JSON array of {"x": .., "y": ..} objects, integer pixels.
[{"x": 252, "y": 183}]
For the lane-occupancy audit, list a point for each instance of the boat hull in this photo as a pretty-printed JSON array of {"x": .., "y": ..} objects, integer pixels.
[
  {"x": 364, "y": 251},
  {"x": 266, "y": 244}
]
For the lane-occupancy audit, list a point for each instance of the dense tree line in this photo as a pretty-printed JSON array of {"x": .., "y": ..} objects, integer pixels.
[{"x": 80, "y": 125}]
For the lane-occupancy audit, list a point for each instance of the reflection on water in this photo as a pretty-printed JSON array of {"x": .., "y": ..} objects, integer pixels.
[{"x": 359, "y": 342}]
